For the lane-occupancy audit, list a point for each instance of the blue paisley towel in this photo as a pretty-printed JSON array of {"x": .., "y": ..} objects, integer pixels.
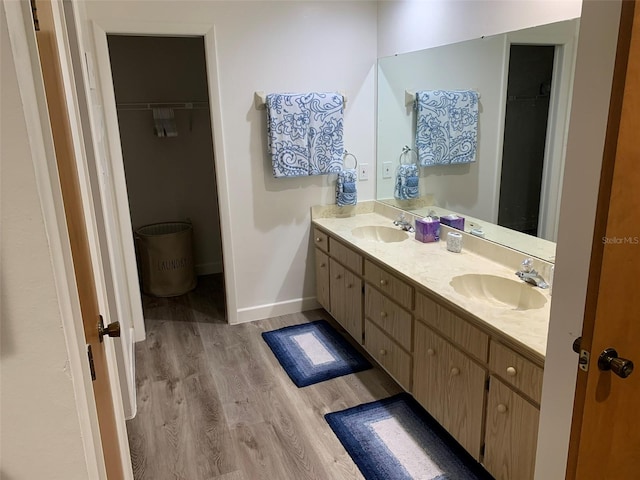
[
  {"x": 305, "y": 133},
  {"x": 407, "y": 178},
  {"x": 346, "y": 192},
  {"x": 446, "y": 126}
]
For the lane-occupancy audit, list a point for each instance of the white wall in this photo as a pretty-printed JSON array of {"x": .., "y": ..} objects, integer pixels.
[
  {"x": 592, "y": 88},
  {"x": 172, "y": 178},
  {"x": 406, "y": 26},
  {"x": 276, "y": 47},
  {"x": 40, "y": 435}
]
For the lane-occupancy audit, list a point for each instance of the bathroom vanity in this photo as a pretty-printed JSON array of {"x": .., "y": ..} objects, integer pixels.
[{"x": 460, "y": 332}]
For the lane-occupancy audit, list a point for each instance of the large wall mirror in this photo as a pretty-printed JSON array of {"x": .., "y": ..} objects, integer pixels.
[{"x": 511, "y": 193}]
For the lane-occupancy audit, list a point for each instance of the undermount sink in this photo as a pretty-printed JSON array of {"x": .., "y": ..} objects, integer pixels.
[
  {"x": 499, "y": 291},
  {"x": 380, "y": 234}
]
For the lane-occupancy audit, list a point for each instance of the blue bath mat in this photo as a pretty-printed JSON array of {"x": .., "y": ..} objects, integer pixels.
[
  {"x": 396, "y": 439},
  {"x": 314, "y": 352}
]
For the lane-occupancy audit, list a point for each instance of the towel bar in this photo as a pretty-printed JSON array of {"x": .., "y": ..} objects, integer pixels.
[
  {"x": 410, "y": 96},
  {"x": 260, "y": 99},
  {"x": 172, "y": 105}
]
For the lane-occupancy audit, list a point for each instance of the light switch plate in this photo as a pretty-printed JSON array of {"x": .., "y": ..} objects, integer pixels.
[
  {"x": 363, "y": 170},
  {"x": 386, "y": 169}
]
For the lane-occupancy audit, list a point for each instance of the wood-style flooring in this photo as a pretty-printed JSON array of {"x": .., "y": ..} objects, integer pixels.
[{"x": 214, "y": 403}]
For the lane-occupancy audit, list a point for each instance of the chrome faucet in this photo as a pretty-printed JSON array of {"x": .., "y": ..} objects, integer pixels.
[
  {"x": 529, "y": 275},
  {"x": 403, "y": 224}
]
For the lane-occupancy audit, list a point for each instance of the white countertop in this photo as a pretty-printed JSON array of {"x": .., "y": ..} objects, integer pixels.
[{"x": 432, "y": 266}]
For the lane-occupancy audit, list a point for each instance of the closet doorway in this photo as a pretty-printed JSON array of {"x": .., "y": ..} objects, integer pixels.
[
  {"x": 162, "y": 104},
  {"x": 525, "y": 136}
]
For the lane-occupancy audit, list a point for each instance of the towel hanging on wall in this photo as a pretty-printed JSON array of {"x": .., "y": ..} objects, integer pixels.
[
  {"x": 304, "y": 133},
  {"x": 164, "y": 122},
  {"x": 446, "y": 126},
  {"x": 407, "y": 177},
  {"x": 346, "y": 186}
]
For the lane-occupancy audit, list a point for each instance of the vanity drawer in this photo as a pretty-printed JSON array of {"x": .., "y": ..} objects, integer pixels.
[
  {"x": 392, "y": 286},
  {"x": 394, "y": 320},
  {"x": 346, "y": 256},
  {"x": 473, "y": 340},
  {"x": 385, "y": 351},
  {"x": 321, "y": 240},
  {"x": 516, "y": 370}
]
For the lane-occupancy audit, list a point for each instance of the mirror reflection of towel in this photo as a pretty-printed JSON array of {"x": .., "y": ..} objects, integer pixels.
[
  {"x": 407, "y": 178},
  {"x": 446, "y": 126},
  {"x": 346, "y": 190}
]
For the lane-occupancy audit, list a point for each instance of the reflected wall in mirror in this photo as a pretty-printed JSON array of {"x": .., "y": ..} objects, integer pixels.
[{"x": 502, "y": 201}]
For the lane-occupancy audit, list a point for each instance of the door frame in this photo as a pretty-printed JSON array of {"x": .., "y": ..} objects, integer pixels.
[
  {"x": 565, "y": 44},
  {"x": 102, "y": 28},
  {"x": 595, "y": 57},
  {"x": 26, "y": 58}
]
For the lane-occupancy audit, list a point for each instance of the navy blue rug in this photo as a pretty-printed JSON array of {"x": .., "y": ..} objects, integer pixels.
[
  {"x": 396, "y": 439},
  {"x": 314, "y": 352}
]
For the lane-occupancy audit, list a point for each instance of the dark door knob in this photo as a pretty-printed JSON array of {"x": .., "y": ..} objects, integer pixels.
[
  {"x": 609, "y": 360},
  {"x": 111, "y": 330},
  {"x": 576, "y": 344}
]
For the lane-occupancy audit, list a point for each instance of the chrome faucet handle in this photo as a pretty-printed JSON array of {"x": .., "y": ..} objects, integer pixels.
[
  {"x": 527, "y": 265},
  {"x": 399, "y": 220}
]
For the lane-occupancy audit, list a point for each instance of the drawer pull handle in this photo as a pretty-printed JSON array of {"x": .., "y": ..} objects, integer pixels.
[
  {"x": 349, "y": 285},
  {"x": 383, "y": 351},
  {"x": 431, "y": 352},
  {"x": 338, "y": 277},
  {"x": 511, "y": 371},
  {"x": 455, "y": 371},
  {"x": 318, "y": 239},
  {"x": 383, "y": 314},
  {"x": 383, "y": 282},
  {"x": 322, "y": 265},
  {"x": 502, "y": 408}
]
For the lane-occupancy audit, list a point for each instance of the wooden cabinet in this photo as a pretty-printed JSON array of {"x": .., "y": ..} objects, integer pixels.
[
  {"x": 388, "y": 354},
  {"x": 388, "y": 325},
  {"x": 322, "y": 279},
  {"x": 321, "y": 240},
  {"x": 346, "y": 299},
  {"x": 468, "y": 337},
  {"x": 339, "y": 282},
  {"x": 392, "y": 286},
  {"x": 450, "y": 386},
  {"x": 390, "y": 317},
  {"x": 347, "y": 257},
  {"x": 443, "y": 358},
  {"x": 516, "y": 370},
  {"x": 511, "y": 433}
]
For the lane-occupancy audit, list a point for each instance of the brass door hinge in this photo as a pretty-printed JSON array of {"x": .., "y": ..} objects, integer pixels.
[
  {"x": 34, "y": 14},
  {"x": 92, "y": 367}
]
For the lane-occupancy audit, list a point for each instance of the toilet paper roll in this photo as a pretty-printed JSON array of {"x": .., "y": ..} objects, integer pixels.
[{"x": 454, "y": 242}]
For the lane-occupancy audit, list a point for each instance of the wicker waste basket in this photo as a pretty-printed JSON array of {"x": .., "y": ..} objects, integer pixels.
[{"x": 165, "y": 253}]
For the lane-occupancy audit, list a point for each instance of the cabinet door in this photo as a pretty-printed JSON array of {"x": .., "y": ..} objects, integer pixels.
[
  {"x": 346, "y": 299},
  {"x": 511, "y": 434},
  {"x": 388, "y": 354},
  {"x": 322, "y": 279},
  {"x": 450, "y": 386}
]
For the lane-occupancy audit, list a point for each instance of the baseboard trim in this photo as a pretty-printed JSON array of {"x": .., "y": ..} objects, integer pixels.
[
  {"x": 209, "y": 268},
  {"x": 261, "y": 312}
]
